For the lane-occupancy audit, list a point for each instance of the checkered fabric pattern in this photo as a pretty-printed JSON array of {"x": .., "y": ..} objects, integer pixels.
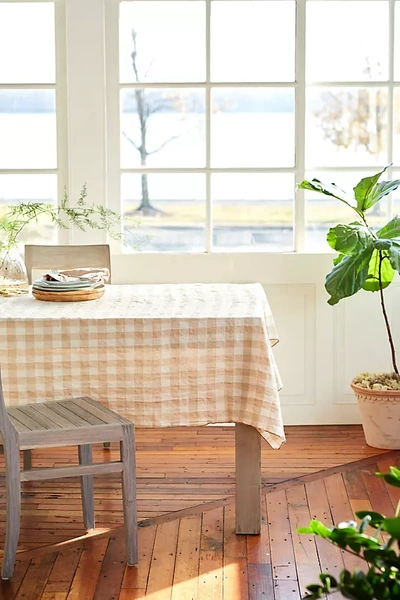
[{"x": 161, "y": 355}]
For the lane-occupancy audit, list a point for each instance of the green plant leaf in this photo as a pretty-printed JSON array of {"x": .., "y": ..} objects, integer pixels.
[
  {"x": 392, "y": 526},
  {"x": 390, "y": 478},
  {"x": 390, "y": 230},
  {"x": 328, "y": 189},
  {"x": 371, "y": 283},
  {"x": 394, "y": 256},
  {"x": 338, "y": 259},
  {"x": 365, "y": 192},
  {"x": 348, "y": 276},
  {"x": 349, "y": 239},
  {"x": 376, "y": 518}
]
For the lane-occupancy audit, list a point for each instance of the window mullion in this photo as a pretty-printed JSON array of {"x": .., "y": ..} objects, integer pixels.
[
  {"x": 209, "y": 223},
  {"x": 300, "y": 120}
]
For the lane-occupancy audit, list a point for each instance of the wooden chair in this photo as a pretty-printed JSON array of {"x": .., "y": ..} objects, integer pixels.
[
  {"x": 67, "y": 257},
  {"x": 77, "y": 421}
]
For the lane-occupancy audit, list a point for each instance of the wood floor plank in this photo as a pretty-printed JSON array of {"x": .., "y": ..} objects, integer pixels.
[
  {"x": 235, "y": 578},
  {"x": 305, "y": 549},
  {"x": 36, "y": 577},
  {"x": 282, "y": 552},
  {"x": 258, "y": 547},
  {"x": 186, "y": 574},
  {"x": 112, "y": 571},
  {"x": 341, "y": 511},
  {"x": 330, "y": 557},
  {"x": 211, "y": 555},
  {"x": 86, "y": 576},
  {"x": 162, "y": 564},
  {"x": 136, "y": 576},
  {"x": 9, "y": 588}
]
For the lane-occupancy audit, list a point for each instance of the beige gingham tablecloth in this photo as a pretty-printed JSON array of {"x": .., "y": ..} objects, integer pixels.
[{"x": 161, "y": 355}]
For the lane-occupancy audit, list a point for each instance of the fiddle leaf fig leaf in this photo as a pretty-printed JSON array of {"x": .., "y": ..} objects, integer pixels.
[
  {"x": 390, "y": 230},
  {"x": 348, "y": 276},
  {"x": 365, "y": 192},
  {"x": 394, "y": 256},
  {"x": 371, "y": 283},
  {"x": 328, "y": 189},
  {"x": 349, "y": 239},
  {"x": 338, "y": 259}
]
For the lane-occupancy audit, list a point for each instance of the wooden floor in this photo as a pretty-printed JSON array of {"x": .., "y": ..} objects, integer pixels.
[{"x": 187, "y": 545}]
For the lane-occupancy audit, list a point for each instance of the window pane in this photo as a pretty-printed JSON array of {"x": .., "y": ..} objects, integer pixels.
[
  {"x": 162, "y": 128},
  {"x": 253, "y": 211},
  {"x": 346, "y": 126},
  {"x": 30, "y": 188},
  {"x": 397, "y": 42},
  {"x": 27, "y": 129},
  {"x": 323, "y": 212},
  {"x": 396, "y": 195},
  {"x": 396, "y": 118},
  {"x": 252, "y": 127},
  {"x": 169, "y": 39},
  {"x": 347, "y": 40},
  {"x": 246, "y": 38},
  {"x": 27, "y": 42},
  {"x": 170, "y": 208}
]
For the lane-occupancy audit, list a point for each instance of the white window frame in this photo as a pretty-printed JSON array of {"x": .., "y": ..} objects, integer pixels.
[
  {"x": 59, "y": 86},
  {"x": 88, "y": 51}
]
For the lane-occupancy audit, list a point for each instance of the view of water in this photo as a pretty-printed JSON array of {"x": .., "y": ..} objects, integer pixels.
[{"x": 251, "y": 212}]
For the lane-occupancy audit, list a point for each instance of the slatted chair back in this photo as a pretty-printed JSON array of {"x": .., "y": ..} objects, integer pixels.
[{"x": 67, "y": 257}]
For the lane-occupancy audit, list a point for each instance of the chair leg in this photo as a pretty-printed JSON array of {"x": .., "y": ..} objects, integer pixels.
[
  {"x": 129, "y": 492},
  {"x": 85, "y": 458},
  {"x": 13, "y": 485},
  {"x": 27, "y": 456}
]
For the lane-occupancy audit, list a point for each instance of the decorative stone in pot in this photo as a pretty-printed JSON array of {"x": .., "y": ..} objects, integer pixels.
[{"x": 380, "y": 416}]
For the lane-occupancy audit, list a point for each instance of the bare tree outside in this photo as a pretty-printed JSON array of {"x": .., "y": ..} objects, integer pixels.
[
  {"x": 146, "y": 104},
  {"x": 357, "y": 117}
]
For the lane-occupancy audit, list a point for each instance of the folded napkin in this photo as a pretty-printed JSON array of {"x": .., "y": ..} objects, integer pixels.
[{"x": 87, "y": 273}]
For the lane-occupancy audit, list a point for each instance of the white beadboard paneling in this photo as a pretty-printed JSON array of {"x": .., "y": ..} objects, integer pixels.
[{"x": 293, "y": 307}]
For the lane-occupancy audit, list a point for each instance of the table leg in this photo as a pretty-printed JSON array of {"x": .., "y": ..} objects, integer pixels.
[{"x": 248, "y": 479}]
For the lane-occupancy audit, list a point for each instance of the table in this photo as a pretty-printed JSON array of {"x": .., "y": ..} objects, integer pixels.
[{"x": 161, "y": 355}]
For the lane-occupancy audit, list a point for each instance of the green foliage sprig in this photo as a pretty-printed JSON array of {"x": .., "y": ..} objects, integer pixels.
[
  {"x": 381, "y": 580},
  {"x": 367, "y": 259},
  {"x": 81, "y": 216}
]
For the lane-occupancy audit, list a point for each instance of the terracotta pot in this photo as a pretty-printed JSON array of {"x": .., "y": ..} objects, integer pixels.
[{"x": 380, "y": 416}]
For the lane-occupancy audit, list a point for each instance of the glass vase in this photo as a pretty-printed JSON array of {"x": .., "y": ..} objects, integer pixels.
[{"x": 13, "y": 275}]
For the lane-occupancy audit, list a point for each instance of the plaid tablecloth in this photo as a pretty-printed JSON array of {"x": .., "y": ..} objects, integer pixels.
[{"x": 161, "y": 355}]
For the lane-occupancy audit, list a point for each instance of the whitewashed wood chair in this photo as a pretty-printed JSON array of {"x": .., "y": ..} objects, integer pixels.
[
  {"x": 77, "y": 421},
  {"x": 65, "y": 257}
]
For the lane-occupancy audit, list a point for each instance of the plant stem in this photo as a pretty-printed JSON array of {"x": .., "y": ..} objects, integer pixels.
[{"x": 385, "y": 316}]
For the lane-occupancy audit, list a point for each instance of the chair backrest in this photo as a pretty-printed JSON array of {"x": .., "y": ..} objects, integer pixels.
[{"x": 67, "y": 257}]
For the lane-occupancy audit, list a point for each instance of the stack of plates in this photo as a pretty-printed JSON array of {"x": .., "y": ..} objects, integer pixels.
[
  {"x": 61, "y": 286},
  {"x": 72, "y": 290}
]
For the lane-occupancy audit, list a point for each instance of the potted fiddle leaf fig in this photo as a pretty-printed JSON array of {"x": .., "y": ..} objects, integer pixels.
[{"x": 368, "y": 260}]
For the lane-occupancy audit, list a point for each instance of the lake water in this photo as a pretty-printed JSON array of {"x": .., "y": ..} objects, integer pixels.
[{"x": 238, "y": 140}]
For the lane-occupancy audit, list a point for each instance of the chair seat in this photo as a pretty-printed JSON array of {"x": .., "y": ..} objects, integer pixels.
[{"x": 61, "y": 422}]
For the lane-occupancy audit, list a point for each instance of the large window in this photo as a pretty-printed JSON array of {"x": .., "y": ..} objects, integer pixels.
[
  {"x": 198, "y": 117},
  {"x": 226, "y": 104},
  {"x": 28, "y": 128}
]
